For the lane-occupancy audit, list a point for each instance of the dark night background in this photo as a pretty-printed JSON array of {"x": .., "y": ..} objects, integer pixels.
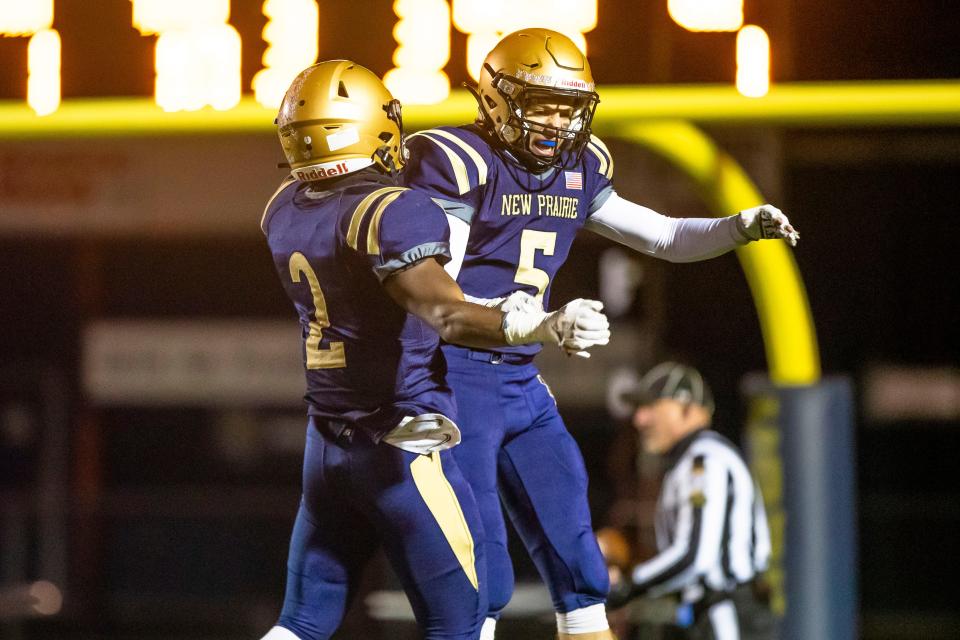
[{"x": 877, "y": 209}]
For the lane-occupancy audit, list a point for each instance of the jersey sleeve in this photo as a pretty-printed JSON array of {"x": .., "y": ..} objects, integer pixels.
[
  {"x": 398, "y": 227},
  {"x": 450, "y": 166},
  {"x": 599, "y": 172}
]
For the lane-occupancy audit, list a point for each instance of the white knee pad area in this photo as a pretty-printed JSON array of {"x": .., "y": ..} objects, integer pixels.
[
  {"x": 279, "y": 633},
  {"x": 587, "y": 620},
  {"x": 489, "y": 625}
]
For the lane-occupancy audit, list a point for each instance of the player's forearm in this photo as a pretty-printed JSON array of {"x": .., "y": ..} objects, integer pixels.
[
  {"x": 466, "y": 324},
  {"x": 673, "y": 239}
]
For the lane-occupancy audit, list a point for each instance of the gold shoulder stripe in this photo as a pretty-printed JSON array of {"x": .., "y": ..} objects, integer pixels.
[
  {"x": 283, "y": 185},
  {"x": 353, "y": 231},
  {"x": 373, "y": 231},
  {"x": 458, "y": 165},
  {"x": 442, "y": 501},
  {"x": 600, "y": 157},
  {"x": 470, "y": 151},
  {"x": 597, "y": 141}
]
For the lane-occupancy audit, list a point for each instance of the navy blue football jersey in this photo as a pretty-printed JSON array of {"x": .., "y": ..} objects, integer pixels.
[
  {"x": 366, "y": 359},
  {"x": 521, "y": 224}
]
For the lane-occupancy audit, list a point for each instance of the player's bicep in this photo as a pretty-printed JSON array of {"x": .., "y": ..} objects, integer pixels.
[
  {"x": 630, "y": 224},
  {"x": 409, "y": 231}
]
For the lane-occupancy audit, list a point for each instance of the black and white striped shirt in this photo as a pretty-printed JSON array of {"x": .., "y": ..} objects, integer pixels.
[{"x": 710, "y": 523}]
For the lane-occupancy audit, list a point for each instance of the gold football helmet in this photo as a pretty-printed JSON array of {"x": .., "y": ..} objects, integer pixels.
[
  {"x": 336, "y": 118},
  {"x": 531, "y": 66}
]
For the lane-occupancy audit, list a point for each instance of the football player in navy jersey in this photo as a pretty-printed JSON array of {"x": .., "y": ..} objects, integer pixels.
[
  {"x": 361, "y": 258},
  {"x": 517, "y": 186}
]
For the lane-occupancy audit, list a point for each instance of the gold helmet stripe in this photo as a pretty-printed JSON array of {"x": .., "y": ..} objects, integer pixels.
[
  {"x": 458, "y": 165},
  {"x": 470, "y": 151},
  {"x": 599, "y": 143},
  {"x": 373, "y": 231},
  {"x": 283, "y": 185},
  {"x": 353, "y": 232}
]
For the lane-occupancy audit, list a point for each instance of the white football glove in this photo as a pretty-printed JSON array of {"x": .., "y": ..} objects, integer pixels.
[
  {"x": 586, "y": 326},
  {"x": 767, "y": 222},
  {"x": 576, "y": 326},
  {"x": 516, "y": 301},
  {"x": 520, "y": 301}
]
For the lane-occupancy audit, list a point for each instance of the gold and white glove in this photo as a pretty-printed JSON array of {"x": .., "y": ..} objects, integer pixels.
[
  {"x": 575, "y": 327},
  {"x": 766, "y": 222}
]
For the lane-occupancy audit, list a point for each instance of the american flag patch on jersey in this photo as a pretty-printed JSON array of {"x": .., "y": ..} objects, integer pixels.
[{"x": 574, "y": 180}]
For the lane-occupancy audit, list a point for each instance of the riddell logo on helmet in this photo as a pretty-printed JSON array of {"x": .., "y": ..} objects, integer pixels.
[
  {"x": 576, "y": 84},
  {"x": 553, "y": 81},
  {"x": 319, "y": 173},
  {"x": 330, "y": 169}
]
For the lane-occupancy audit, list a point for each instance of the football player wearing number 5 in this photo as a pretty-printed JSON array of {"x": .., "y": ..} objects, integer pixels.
[
  {"x": 517, "y": 186},
  {"x": 361, "y": 258}
]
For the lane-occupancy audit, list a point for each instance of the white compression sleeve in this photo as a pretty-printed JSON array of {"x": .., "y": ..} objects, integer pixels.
[{"x": 673, "y": 239}]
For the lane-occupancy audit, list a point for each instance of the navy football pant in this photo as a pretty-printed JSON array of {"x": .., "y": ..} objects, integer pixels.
[
  {"x": 358, "y": 495},
  {"x": 514, "y": 440}
]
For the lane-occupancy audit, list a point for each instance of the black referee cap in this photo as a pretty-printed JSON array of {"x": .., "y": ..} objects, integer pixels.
[{"x": 672, "y": 380}]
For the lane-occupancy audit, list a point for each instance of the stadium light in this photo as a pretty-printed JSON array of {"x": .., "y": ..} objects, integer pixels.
[
  {"x": 19, "y": 18},
  {"x": 423, "y": 36},
  {"x": 34, "y": 19},
  {"x": 487, "y": 21},
  {"x": 43, "y": 72},
  {"x": 197, "y": 54},
  {"x": 153, "y": 17},
  {"x": 753, "y": 62},
  {"x": 707, "y": 15},
  {"x": 291, "y": 35}
]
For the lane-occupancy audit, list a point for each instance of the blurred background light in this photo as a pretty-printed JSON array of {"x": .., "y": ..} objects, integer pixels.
[
  {"x": 423, "y": 36},
  {"x": 753, "y": 62},
  {"x": 197, "y": 54},
  {"x": 153, "y": 17},
  {"x": 486, "y": 22},
  {"x": 707, "y": 15},
  {"x": 291, "y": 34},
  {"x": 34, "y": 18},
  {"x": 43, "y": 68},
  {"x": 20, "y": 18}
]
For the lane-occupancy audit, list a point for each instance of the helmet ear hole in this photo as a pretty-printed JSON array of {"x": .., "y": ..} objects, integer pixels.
[
  {"x": 385, "y": 136},
  {"x": 342, "y": 90},
  {"x": 491, "y": 103}
]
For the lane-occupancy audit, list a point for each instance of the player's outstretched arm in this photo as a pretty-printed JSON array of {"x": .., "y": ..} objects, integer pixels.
[
  {"x": 427, "y": 291},
  {"x": 687, "y": 239}
]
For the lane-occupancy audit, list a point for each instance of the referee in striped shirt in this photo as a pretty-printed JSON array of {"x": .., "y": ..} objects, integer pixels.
[{"x": 711, "y": 528}]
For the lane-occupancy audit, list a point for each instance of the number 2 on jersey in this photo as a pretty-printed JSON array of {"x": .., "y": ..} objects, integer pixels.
[
  {"x": 531, "y": 241},
  {"x": 317, "y": 358}
]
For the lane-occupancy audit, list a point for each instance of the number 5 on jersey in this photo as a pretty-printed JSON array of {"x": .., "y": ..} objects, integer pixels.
[
  {"x": 317, "y": 358},
  {"x": 530, "y": 241}
]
